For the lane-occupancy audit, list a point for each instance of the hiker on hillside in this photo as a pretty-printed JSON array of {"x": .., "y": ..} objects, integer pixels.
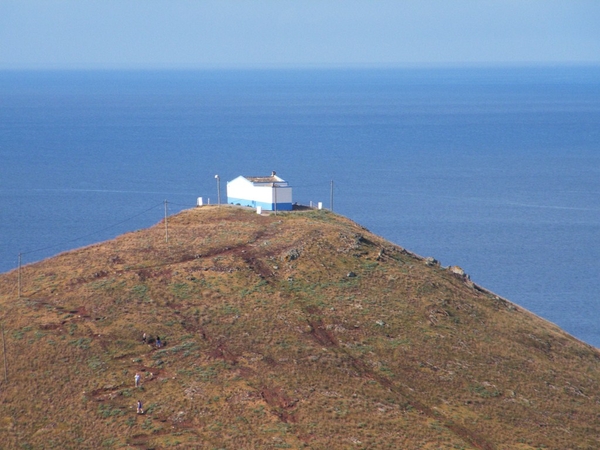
[
  {"x": 144, "y": 338},
  {"x": 140, "y": 409},
  {"x": 137, "y": 380},
  {"x": 158, "y": 343}
]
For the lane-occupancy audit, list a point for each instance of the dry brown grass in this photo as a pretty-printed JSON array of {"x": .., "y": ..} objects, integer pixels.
[{"x": 270, "y": 344}]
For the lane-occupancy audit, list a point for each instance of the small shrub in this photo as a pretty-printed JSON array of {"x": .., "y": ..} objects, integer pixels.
[
  {"x": 140, "y": 291},
  {"x": 181, "y": 290},
  {"x": 82, "y": 343},
  {"x": 18, "y": 335},
  {"x": 95, "y": 363}
]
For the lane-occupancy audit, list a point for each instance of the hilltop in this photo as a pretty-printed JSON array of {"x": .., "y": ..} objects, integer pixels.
[{"x": 295, "y": 330}]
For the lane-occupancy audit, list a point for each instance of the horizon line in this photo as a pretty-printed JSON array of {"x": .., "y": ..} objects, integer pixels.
[{"x": 284, "y": 67}]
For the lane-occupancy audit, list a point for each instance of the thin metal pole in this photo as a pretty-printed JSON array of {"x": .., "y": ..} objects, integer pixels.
[
  {"x": 331, "y": 197},
  {"x": 166, "y": 223},
  {"x": 4, "y": 350},
  {"x": 19, "y": 276},
  {"x": 218, "y": 189}
]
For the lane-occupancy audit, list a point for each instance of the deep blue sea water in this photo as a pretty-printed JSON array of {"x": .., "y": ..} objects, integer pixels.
[{"x": 494, "y": 170}]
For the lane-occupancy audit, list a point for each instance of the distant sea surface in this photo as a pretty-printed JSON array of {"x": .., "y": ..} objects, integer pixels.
[{"x": 494, "y": 170}]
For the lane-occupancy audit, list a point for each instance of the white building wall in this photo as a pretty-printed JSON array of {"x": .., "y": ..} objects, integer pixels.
[
  {"x": 240, "y": 188},
  {"x": 264, "y": 194}
]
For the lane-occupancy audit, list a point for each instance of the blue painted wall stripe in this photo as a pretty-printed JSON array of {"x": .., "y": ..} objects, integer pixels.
[{"x": 263, "y": 205}]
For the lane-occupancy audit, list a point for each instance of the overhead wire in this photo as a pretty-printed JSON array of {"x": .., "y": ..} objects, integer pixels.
[
  {"x": 92, "y": 233},
  {"x": 139, "y": 214}
]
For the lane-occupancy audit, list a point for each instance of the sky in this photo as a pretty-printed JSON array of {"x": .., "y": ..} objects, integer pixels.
[{"x": 186, "y": 34}]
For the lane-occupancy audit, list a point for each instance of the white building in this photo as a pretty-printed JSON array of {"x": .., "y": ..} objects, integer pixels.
[{"x": 265, "y": 192}]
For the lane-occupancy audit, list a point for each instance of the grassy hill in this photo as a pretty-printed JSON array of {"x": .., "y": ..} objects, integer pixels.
[{"x": 301, "y": 330}]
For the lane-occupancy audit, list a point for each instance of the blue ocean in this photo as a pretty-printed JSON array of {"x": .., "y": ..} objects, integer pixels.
[{"x": 496, "y": 170}]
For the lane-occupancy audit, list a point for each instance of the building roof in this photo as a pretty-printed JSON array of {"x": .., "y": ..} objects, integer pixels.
[
  {"x": 273, "y": 178},
  {"x": 269, "y": 179}
]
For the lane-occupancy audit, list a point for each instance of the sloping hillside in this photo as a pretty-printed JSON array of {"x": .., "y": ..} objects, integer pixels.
[{"x": 289, "y": 331}]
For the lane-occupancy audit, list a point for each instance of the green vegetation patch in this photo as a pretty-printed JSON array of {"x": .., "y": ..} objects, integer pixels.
[
  {"x": 140, "y": 292},
  {"x": 181, "y": 291},
  {"x": 82, "y": 343},
  {"x": 187, "y": 346}
]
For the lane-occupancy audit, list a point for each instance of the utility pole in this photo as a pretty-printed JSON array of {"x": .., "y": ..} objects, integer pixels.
[
  {"x": 166, "y": 223},
  {"x": 19, "y": 275},
  {"x": 331, "y": 197},
  {"x": 218, "y": 189}
]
